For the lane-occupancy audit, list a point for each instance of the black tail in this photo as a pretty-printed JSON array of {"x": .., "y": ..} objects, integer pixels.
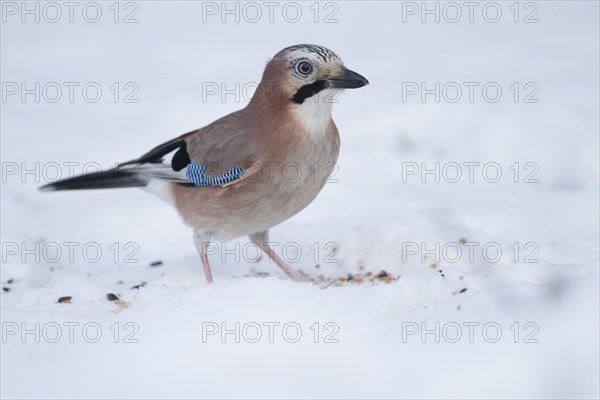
[
  {"x": 119, "y": 177},
  {"x": 134, "y": 173}
]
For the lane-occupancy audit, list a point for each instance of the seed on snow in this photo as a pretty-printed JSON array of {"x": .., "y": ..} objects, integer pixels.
[{"x": 112, "y": 297}]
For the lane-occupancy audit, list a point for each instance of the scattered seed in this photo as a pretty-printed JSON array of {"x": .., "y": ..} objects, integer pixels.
[
  {"x": 318, "y": 266},
  {"x": 119, "y": 282},
  {"x": 65, "y": 299},
  {"x": 434, "y": 265},
  {"x": 156, "y": 263},
  {"x": 463, "y": 290},
  {"x": 382, "y": 274},
  {"x": 121, "y": 304},
  {"x": 462, "y": 240},
  {"x": 141, "y": 285},
  {"x": 112, "y": 297}
]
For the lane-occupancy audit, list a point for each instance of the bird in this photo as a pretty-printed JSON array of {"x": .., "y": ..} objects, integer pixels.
[{"x": 252, "y": 169}]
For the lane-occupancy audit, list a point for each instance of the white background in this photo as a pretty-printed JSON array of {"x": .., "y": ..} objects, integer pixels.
[{"x": 371, "y": 214}]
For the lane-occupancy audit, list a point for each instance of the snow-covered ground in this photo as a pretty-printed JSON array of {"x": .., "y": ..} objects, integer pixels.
[{"x": 524, "y": 245}]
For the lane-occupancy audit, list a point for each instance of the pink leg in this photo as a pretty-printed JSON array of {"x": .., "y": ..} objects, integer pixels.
[
  {"x": 206, "y": 265},
  {"x": 281, "y": 264},
  {"x": 261, "y": 239},
  {"x": 200, "y": 241}
]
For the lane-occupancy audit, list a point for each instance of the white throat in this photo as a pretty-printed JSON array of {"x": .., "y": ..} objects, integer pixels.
[{"x": 314, "y": 113}]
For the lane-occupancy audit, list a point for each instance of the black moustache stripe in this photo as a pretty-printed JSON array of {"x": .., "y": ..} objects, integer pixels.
[{"x": 307, "y": 91}]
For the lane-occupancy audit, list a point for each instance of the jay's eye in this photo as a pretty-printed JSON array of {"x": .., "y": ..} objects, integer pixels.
[{"x": 304, "y": 67}]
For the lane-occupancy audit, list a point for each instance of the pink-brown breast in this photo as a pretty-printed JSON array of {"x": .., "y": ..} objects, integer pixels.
[{"x": 293, "y": 167}]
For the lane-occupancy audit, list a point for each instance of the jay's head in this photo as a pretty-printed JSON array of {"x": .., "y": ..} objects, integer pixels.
[{"x": 300, "y": 72}]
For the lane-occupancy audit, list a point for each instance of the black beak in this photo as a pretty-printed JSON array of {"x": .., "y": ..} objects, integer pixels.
[{"x": 349, "y": 80}]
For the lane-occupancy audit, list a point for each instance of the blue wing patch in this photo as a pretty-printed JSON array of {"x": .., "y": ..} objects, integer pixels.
[{"x": 195, "y": 174}]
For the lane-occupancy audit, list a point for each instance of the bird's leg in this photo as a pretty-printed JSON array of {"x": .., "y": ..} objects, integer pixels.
[
  {"x": 293, "y": 275},
  {"x": 201, "y": 240},
  {"x": 261, "y": 239},
  {"x": 206, "y": 266}
]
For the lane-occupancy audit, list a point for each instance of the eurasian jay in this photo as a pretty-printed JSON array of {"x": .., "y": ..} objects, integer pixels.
[{"x": 250, "y": 170}]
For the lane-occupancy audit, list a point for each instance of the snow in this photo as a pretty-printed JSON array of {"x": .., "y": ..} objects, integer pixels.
[{"x": 375, "y": 217}]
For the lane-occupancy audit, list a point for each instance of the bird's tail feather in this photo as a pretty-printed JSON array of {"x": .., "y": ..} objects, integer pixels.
[{"x": 119, "y": 177}]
